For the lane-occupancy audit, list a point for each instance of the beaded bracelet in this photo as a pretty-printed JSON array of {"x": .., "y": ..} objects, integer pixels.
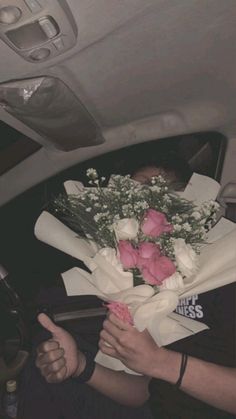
[
  {"x": 184, "y": 360},
  {"x": 88, "y": 371}
]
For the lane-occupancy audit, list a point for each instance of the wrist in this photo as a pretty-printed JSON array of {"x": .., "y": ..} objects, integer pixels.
[
  {"x": 85, "y": 368},
  {"x": 167, "y": 365},
  {"x": 81, "y": 364}
]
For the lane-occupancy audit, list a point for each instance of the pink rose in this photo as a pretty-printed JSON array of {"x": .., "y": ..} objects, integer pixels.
[
  {"x": 146, "y": 251},
  {"x": 128, "y": 254},
  {"x": 155, "y": 223},
  {"x": 158, "y": 269},
  {"x": 121, "y": 311}
]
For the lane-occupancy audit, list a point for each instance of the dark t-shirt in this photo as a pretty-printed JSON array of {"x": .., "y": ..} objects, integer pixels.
[{"x": 218, "y": 345}]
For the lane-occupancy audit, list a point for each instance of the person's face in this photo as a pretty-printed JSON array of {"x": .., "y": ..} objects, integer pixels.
[{"x": 144, "y": 174}]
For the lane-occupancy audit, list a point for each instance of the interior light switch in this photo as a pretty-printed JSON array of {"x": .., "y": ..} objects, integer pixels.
[
  {"x": 9, "y": 15},
  {"x": 49, "y": 27},
  {"x": 33, "y": 5},
  {"x": 59, "y": 44}
]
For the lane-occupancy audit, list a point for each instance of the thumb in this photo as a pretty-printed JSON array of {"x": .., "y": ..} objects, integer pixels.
[{"x": 48, "y": 324}]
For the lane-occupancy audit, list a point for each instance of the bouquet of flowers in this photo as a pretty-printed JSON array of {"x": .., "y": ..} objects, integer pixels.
[
  {"x": 145, "y": 246},
  {"x": 149, "y": 230}
]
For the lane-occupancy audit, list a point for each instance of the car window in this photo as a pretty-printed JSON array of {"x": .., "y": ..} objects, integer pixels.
[
  {"x": 14, "y": 147},
  {"x": 204, "y": 152}
]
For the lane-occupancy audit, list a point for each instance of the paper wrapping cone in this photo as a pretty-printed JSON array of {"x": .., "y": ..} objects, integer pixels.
[
  {"x": 200, "y": 189},
  {"x": 217, "y": 266},
  {"x": 73, "y": 187},
  {"x": 51, "y": 231},
  {"x": 220, "y": 230},
  {"x": 108, "y": 278}
]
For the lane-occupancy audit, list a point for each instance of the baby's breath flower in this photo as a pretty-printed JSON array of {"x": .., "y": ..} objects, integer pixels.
[
  {"x": 196, "y": 215},
  {"x": 153, "y": 180},
  {"x": 92, "y": 174},
  {"x": 187, "y": 227},
  {"x": 176, "y": 218},
  {"x": 141, "y": 205},
  {"x": 177, "y": 227},
  {"x": 167, "y": 199},
  {"x": 93, "y": 197},
  {"x": 155, "y": 188},
  {"x": 97, "y": 217},
  {"x": 160, "y": 179}
]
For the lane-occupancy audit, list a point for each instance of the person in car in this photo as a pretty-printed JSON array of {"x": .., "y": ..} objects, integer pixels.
[{"x": 202, "y": 388}]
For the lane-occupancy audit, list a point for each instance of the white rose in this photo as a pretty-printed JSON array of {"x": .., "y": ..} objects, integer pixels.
[
  {"x": 174, "y": 282},
  {"x": 186, "y": 258},
  {"x": 126, "y": 229}
]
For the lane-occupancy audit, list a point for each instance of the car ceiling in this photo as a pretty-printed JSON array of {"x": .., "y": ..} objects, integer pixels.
[{"x": 143, "y": 70}]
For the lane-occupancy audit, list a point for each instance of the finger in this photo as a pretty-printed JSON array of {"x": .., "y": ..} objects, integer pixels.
[
  {"x": 108, "y": 350},
  {"x": 57, "y": 377},
  {"x": 53, "y": 368},
  {"x": 110, "y": 343},
  {"x": 109, "y": 339},
  {"x": 119, "y": 323},
  {"x": 48, "y": 345},
  {"x": 49, "y": 357},
  {"x": 112, "y": 329},
  {"x": 48, "y": 324}
]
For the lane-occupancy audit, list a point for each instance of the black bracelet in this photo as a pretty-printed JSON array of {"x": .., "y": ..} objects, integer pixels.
[
  {"x": 182, "y": 370},
  {"x": 88, "y": 371}
]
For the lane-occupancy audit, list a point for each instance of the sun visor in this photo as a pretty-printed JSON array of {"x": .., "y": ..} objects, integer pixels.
[{"x": 50, "y": 108}]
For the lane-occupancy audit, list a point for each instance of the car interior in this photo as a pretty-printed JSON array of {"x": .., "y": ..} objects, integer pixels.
[{"x": 100, "y": 84}]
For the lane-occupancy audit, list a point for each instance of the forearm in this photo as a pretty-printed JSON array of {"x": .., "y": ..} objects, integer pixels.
[
  {"x": 213, "y": 384},
  {"x": 123, "y": 388}
]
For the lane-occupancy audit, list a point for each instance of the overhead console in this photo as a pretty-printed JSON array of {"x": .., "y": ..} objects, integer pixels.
[{"x": 37, "y": 29}]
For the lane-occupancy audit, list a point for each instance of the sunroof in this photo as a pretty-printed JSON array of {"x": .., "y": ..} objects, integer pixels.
[{"x": 14, "y": 147}]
